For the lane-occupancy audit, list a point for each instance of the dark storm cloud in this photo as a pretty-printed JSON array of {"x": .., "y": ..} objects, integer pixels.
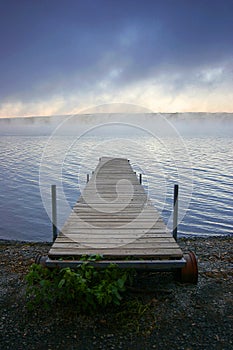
[{"x": 56, "y": 47}]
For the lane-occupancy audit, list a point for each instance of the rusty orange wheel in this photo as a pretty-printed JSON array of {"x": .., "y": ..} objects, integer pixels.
[{"x": 189, "y": 273}]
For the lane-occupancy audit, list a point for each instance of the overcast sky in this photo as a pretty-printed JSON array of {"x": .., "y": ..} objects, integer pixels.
[{"x": 62, "y": 56}]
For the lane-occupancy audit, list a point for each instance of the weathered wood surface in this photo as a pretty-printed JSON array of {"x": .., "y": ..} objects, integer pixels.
[{"x": 115, "y": 218}]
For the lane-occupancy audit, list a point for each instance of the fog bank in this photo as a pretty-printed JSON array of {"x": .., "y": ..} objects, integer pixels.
[{"x": 165, "y": 124}]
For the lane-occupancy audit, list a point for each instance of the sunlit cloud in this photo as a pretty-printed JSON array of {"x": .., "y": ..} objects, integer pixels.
[
  {"x": 164, "y": 56},
  {"x": 38, "y": 108},
  {"x": 204, "y": 92},
  {"x": 204, "y": 88}
]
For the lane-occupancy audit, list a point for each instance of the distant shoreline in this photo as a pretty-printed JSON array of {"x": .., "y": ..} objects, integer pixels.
[{"x": 107, "y": 113}]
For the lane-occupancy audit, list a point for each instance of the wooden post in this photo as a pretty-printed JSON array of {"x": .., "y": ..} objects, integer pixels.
[
  {"x": 54, "y": 211},
  {"x": 140, "y": 179},
  {"x": 88, "y": 178},
  {"x": 175, "y": 211}
]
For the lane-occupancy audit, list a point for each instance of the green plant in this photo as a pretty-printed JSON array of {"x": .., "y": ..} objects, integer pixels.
[{"x": 85, "y": 287}]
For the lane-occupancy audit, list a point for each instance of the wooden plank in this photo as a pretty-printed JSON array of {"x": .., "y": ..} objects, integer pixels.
[
  {"x": 110, "y": 229},
  {"x": 154, "y": 236},
  {"x": 111, "y": 232},
  {"x": 115, "y": 252},
  {"x": 125, "y": 225},
  {"x": 131, "y": 245},
  {"x": 95, "y": 238},
  {"x": 115, "y": 217},
  {"x": 86, "y": 224},
  {"x": 162, "y": 239},
  {"x": 136, "y": 212},
  {"x": 126, "y": 218},
  {"x": 110, "y": 198},
  {"x": 82, "y": 237}
]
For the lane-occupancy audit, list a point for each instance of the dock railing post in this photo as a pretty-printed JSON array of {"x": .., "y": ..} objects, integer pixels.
[
  {"x": 175, "y": 211},
  {"x": 54, "y": 211},
  {"x": 140, "y": 178}
]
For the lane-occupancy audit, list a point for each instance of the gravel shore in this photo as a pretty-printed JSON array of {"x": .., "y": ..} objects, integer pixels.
[{"x": 158, "y": 313}]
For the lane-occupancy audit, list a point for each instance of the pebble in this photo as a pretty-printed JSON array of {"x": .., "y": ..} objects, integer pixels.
[{"x": 188, "y": 317}]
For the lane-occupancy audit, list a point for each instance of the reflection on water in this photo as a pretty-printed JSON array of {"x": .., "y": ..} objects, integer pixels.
[{"x": 202, "y": 167}]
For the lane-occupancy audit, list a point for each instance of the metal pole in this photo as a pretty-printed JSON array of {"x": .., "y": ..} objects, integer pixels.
[
  {"x": 54, "y": 211},
  {"x": 140, "y": 179},
  {"x": 88, "y": 178},
  {"x": 175, "y": 211}
]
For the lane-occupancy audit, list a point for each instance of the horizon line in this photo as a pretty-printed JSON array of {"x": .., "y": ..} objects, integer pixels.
[{"x": 79, "y": 113}]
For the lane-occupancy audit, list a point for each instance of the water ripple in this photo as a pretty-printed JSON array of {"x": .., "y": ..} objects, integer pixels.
[{"x": 205, "y": 179}]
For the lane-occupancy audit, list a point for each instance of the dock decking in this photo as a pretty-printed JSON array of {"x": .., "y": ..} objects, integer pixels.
[{"x": 115, "y": 218}]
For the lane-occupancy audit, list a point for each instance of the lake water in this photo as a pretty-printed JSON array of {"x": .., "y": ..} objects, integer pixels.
[{"x": 201, "y": 165}]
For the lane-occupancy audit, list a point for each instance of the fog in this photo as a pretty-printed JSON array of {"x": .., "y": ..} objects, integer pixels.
[{"x": 122, "y": 124}]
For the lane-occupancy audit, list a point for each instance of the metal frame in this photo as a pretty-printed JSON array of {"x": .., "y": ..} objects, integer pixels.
[
  {"x": 152, "y": 265},
  {"x": 175, "y": 211},
  {"x": 54, "y": 211}
]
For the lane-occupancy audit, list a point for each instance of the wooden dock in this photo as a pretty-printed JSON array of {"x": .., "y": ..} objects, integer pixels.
[{"x": 115, "y": 218}]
